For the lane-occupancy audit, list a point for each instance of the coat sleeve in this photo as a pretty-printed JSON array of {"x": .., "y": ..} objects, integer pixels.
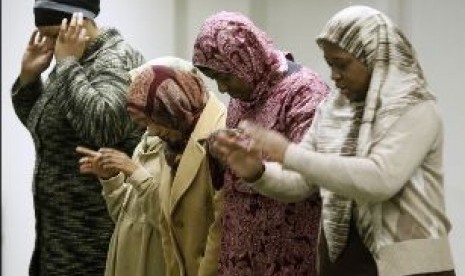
[
  {"x": 24, "y": 98},
  {"x": 209, "y": 263},
  {"x": 146, "y": 185},
  {"x": 95, "y": 106},
  {"x": 115, "y": 192}
]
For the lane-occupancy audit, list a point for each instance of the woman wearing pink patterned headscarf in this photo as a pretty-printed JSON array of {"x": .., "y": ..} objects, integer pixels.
[{"x": 261, "y": 236}]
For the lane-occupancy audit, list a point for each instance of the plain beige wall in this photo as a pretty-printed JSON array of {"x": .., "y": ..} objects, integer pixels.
[{"x": 159, "y": 27}]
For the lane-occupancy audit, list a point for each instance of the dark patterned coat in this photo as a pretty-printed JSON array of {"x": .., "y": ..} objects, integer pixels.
[{"x": 81, "y": 103}]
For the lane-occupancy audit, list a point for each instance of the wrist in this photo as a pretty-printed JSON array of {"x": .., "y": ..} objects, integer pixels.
[
  {"x": 61, "y": 59},
  {"x": 26, "y": 79},
  {"x": 130, "y": 170},
  {"x": 257, "y": 175},
  {"x": 108, "y": 176}
]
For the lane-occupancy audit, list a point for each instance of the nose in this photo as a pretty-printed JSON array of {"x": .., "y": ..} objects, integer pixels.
[
  {"x": 223, "y": 88},
  {"x": 335, "y": 74}
]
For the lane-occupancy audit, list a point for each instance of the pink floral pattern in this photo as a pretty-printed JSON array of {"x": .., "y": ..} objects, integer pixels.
[{"x": 261, "y": 236}]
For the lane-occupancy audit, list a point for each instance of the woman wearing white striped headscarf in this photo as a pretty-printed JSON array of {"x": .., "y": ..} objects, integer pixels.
[{"x": 374, "y": 149}]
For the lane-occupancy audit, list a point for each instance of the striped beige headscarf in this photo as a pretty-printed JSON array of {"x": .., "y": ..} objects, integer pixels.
[{"x": 397, "y": 83}]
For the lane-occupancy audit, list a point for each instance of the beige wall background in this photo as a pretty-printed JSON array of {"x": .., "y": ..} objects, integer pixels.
[{"x": 157, "y": 27}]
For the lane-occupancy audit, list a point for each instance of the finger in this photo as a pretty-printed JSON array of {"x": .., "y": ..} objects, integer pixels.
[
  {"x": 83, "y": 160},
  {"x": 37, "y": 38},
  {"x": 233, "y": 132},
  {"x": 254, "y": 148},
  {"x": 63, "y": 28},
  {"x": 83, "y": 35},
  {"x": 105, "y": 150},
  {"x": 49, "y": 44},
  {"x": 109, "y": 151},
  {"x": 72, "y": 29},
  {"x": 43, "y": 43},
  {"x": 32, "y": 39},
  {"x": 87, "y": 151},
  {"x": 80, "y": 19},
  {"x": 231, "y": 142},
  {"x": 251, "y": 129},
  {"x": 86, "y": 169}
]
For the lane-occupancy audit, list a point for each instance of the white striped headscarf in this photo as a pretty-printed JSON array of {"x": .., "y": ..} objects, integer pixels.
[{"x": 397, "y": 83}]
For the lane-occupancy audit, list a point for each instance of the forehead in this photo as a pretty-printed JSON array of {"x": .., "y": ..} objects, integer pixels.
[
  {"x": 332, "y": 51},
  {"x": 50, "y": 31},
  {"x": 211, "y": 73}
]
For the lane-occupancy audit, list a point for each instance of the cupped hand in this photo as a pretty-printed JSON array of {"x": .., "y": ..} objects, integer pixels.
[
  {"x": 244, "y": 161},
  {"x": 271, "y": 143},
  {"x": 36, "y": 57}
]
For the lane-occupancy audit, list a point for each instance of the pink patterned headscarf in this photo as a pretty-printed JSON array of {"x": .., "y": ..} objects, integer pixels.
[
  {"x": 169, "y": 97},
  {"x": 229, "y": 42}
]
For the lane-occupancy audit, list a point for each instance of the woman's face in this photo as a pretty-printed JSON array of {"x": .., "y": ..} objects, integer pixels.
[
  {"x": 229, "y": 83},
  {"x": 138, "y": 116},
  {"x": 167, "y": 134},
  {"x": 350, "y": 75}
]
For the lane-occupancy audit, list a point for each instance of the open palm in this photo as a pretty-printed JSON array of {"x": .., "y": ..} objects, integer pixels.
[{"x": 36, "y": 57}]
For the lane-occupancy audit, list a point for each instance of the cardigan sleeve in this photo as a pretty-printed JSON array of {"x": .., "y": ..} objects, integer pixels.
[
  {"x": 286, "y": 185},
  {"x": 24, "y": 98},
  {"x": 389, "y": 165},
  {"x": 95, "y": 106}
]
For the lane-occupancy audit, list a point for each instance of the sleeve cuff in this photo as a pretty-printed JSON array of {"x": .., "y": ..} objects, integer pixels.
[
  {"x": 267, "y": 176},
  {"x": 139, "y": 176},
  {"x": 31, "y": 87},
  {"x": 111, "y": 184},
  {"x": 291, "y": 157},
  {"x": 64, "y": 64}
]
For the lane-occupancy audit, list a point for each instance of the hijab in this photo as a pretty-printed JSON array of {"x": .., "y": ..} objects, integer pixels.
[{"x": 171, "y": 98}]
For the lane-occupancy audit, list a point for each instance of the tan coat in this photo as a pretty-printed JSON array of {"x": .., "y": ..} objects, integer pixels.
[
  {"x": 190, "y": 206},
  {"x": 133, "y": 203}
]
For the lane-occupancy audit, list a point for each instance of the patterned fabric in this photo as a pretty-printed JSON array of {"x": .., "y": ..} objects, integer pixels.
[
  {"x": 397, "y": 83},
  {"x": 261, "y": 236},
  {"x": 81, "y": 103},
  {"x": 172, "y": 62},
  {"x": 230, "y": 43},
  {"x": 331, "y": 120},
  {"x": 171, "y": 98}
]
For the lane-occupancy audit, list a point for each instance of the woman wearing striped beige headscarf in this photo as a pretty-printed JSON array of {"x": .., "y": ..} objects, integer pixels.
[{"x": 374, "y": 150}]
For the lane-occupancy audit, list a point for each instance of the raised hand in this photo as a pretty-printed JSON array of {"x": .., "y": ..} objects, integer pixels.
[
  {"x": 71, "y": 41},
  {"x": 36, "y": 58}
]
